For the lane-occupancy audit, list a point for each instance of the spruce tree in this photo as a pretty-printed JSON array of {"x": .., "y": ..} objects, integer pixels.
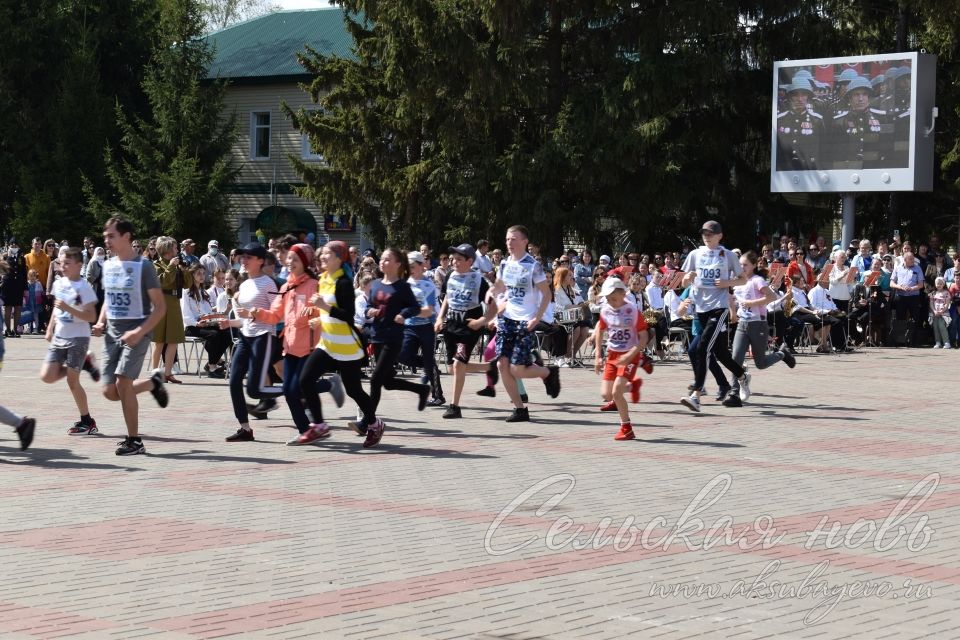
[{"x": 173, "y": 168}]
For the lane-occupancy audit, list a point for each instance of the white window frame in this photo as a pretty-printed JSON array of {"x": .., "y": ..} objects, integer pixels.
[
  {"x": 306, "y": 153},
  {"x": 254, "y": 128}
]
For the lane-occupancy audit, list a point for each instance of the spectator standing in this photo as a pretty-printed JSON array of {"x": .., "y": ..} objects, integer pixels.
[
  {"x": 213, "y": 260},
  {"x": 12, "y": 285}
]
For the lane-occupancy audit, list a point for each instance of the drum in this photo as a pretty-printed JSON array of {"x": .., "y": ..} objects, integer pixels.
[{"x": 570, "y": 316}]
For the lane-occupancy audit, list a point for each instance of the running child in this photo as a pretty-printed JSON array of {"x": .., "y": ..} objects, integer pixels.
[
  {"x": 23, "y": 425},
  {"x": 133, "y": 306},
  {"x": 627, "y": 337},
  {"x": 74, "y": 309}
]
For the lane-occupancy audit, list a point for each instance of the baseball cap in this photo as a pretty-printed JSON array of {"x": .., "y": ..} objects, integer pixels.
[
  {"x": 213, "y": 243},
  {"x": 416, "y": 256},
  {"x": 712, "y": 226},
  {"x": 610, "y": 285},
  {"x": 187, "y": 241},
  {"x": 254, "y": 249},
  {"x": 605, "y": 258},
  {"x": 466, "y": 250}
]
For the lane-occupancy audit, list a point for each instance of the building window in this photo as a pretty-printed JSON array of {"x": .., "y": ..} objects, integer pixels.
[
  {"x": 307, "y": 152},
  {"x": 260, "y": 135}
]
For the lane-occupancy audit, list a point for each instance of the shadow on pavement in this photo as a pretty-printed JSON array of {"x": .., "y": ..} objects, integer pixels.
[
  {"x": 209, "y": 456},
  {"x": 55, "y": 459},
  {"x": 719, "y": 445},
  {"x": 385, "y": 447}
]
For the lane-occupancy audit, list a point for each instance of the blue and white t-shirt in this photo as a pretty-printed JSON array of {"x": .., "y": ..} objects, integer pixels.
[
  {"x": 426, "y": 293},
  {"x": 711, "y": 265},
  {"x": 521, "y": 278}
]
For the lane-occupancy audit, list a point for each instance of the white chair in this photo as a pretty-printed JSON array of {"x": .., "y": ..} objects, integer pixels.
[{"x": 193, "y": 351}]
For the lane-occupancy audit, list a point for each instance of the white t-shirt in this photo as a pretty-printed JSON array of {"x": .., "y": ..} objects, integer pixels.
[
  {"x": 483, "y": 264},
  {"x": 521, "y": 278},
  {"x": 711, "y": 265},
  {"x": 256, "y": 292},
  {"x": 75, "y": 293}
]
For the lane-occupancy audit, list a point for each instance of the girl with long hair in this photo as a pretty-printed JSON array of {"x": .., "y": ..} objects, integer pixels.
[{"x": 198, "y": 321}]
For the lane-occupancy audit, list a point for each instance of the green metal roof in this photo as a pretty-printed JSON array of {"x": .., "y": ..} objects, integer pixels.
[{"x": 265, "y": 48}]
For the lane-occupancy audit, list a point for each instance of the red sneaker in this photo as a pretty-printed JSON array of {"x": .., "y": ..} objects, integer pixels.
[
  {"x": 646, "y": 364},
  {"x": 635, "y": 391},
  {"x": 626, "y": 433},
  {"x": 609, "y": 406}
]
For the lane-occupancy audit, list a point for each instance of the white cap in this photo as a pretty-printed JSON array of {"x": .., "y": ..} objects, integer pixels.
[
  {"x": 415, "y": 256},
  {"x": 611, "y": 284},
  {"x": 605, "y": 258}
]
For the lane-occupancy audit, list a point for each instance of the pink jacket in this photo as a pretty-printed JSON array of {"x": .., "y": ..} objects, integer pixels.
[{"x": 294, "y": 296}]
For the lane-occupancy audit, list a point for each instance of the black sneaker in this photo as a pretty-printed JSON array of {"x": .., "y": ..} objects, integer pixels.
[
  {"x": 158, "y": 392},
  {"x": 90, "y": 366},
  {"x": 25, "y": 432},
  {"x": 130, "y": 447},
  {"x": 242, "y": 435},
  {"x": 452, "y": 412},
  {"x": 519, "y": 415},
  {"x": 732, "y": 400},
  {"x": 488, "y": 392},
  {"x": 494, "y": 373},
  {"x": 437, "y": 402},
  {"x": 262, "y": 408},
  {"x": 424, "y": 394},
  {"x": 788, "y": 357},
  {"x": 552, "y": 381}
]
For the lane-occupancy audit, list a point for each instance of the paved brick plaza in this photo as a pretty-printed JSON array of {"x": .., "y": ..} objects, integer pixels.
[{"x": 204, "y": 539}]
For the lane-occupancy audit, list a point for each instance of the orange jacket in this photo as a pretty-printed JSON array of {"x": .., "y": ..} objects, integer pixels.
[{"x": 293, "y": 297}]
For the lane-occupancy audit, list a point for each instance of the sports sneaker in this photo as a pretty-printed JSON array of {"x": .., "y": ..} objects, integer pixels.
[
  {"x": 691, "y": 402},
  {"x": 315, "y": 433},
  {"x": 635, "y": 390},
  {"x": 519, "y": 415},
  {"x": 357, "y": 427},
  {"x": 90, "y": 366},
  {"x": 732, "y": 400},
  {"x": 745, "y": 387},
  {"x": 242, "y": 435},
  {"x": 562, "y": 363},
  {"x": 336, "y": 390},
  {"x": 130, "y": 447},
  {"x": 494, "y": 373},
  {"x": 626, "y": 433},
  {"x": 262, "y": 408},
  {"x": 424, "y": 394},
  {"x": 158, "y": 392},
  {"x": 452, "y": 413},
  {"x": 81, "y": 429},
  {"x": 788, "y": 358},
  {"x": 374, "y": 434},
  {"x": 436, "y": 402},
  {"x": 25, "y": 432},
  {"x": 552, "y": 382},
  {"x": 488, "y": 392},
  {"x": 646, "y": 364},
  {"x": 608, "y": 406}
]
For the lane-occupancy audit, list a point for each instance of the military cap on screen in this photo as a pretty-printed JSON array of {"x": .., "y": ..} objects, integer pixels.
[
  {"x": 859, "y": 83},
  {"x": 847, "y": 75}
]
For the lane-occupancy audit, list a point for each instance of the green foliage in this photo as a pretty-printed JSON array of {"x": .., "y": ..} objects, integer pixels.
[
  {"x": 460, "y": 117},
  {"x": 172, "y": 170}
]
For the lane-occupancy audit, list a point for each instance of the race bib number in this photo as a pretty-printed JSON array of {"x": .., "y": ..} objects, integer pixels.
[
  {"x": 708, "y": 276},
  {"x": 515, "y": 277},
  {"x": 122, "y": 289}
]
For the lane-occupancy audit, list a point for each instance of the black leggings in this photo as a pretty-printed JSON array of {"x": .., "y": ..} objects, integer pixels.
[
  {"x": 712, "y": 341},
  {"x": 215, "y": 341},
  {"x": 319, "y": 362},
  {"x": 385, "y": 376}
]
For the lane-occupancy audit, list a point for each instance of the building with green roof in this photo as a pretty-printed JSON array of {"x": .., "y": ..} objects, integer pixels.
[{"x": 258, "y": 58}]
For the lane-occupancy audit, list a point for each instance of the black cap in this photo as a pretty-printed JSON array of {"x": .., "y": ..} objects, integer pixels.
[
  {"x": 712, "y": 226},
  {"x": 466, "y": 250},
  {"x": 254, "y": 249}
]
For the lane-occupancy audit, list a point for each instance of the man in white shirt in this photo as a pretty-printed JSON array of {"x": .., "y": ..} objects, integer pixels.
[{"x": 483, "y": 263}]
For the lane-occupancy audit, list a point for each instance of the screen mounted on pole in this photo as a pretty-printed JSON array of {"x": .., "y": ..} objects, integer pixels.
[{"x": 862, "y": 123}]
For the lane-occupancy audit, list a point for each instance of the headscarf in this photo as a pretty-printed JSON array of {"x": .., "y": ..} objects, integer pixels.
[
  {"x": 342, "y": 251},
  {"x": 99, "y": 255}
]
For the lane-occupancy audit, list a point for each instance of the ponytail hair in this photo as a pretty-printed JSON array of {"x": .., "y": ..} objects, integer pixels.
[{"x": 401, "y": 257}]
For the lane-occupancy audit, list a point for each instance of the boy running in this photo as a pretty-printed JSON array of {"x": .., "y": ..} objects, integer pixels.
[
  {"x": 627, "y": 337},
  {"x": 528, "y": 296},
  {"x": 462, "y": 320},
  {"x": 74, "y": 309},
  {"x": 126, "y": 321},
  {"x": 709, "y": 269}
]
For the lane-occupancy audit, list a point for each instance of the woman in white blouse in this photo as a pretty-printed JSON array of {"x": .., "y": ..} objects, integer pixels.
[
  {"x": 567, "y": 296},
  {"x": 199, "y": 321},
  {"x": 840, "y": 289}
]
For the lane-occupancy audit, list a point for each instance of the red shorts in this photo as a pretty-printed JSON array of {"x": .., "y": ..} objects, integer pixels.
[{"x": 612, "y": 371}]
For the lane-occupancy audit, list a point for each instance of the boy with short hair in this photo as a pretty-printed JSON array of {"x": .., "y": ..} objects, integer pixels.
[
  {"x": 627, "y": 337},
  {"x": 68, "y": 333},
  {"x": 132, "y": 307}
]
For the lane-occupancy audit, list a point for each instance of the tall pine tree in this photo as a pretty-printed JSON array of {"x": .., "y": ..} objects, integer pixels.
[{"x": 173, "y": 169}]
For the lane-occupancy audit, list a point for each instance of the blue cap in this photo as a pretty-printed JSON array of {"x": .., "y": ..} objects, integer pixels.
[{"x": 254, "y": 249}]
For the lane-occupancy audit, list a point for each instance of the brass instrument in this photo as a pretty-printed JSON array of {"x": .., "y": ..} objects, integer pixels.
[
  {"x": 651, "y": 315},
  {"x": 789, "y": 304}
]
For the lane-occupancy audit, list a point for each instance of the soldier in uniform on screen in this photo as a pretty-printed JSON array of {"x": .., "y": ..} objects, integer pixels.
[
  {"x": 861, "y": 137},
  {"x": 799, "y": 130},
  {"x": 899, "y": 114}
]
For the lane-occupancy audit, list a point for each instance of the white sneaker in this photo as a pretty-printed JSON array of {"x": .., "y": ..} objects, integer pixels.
[
  {"x": 691, "y": 402},
  {"x": 336, "y": 389},
  {"x": 745, "y": 387},
  {"x": 938, "y": 346},
  {"x": 562, "y": 363},
  {"x": 176, "y": 370}
]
